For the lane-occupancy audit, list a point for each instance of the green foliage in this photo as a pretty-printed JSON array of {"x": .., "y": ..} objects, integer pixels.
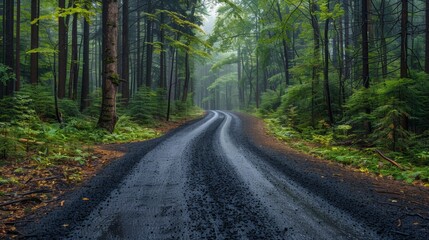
[
  {"x": 270, "y": 101},
  {"x": 6, "y": 74},
  {"x": 95, "y": 99},
  {"x": 147, "y": 105}
]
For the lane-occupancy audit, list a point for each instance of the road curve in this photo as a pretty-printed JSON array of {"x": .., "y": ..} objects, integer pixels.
[{"x": 201, "y": 182}]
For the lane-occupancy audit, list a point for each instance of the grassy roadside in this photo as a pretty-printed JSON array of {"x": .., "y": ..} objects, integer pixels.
[
  {"x": 53, "y": 159},
  {"x": 324, "y": 145}
]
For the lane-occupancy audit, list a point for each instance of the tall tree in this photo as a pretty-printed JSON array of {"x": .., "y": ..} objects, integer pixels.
[
  {"x": 149, "y": 45},
  {"x": 365, "y": 57},
  {"x": 84, "y": 101},
  {"x": 316, "y": 56},
  {"x": 125, "y": 52},
  {"x": 427, "y": 39},
  {"x": 34, "y": 57},
  {"x": 326, "y": 71},
  {"x": 18, "y": 46},
  {"x": 111, "y": 78},
  {"x": 8, "y": 42},
  {"x": 404, "y": 39},
  {"x": 74, "y": 66},
  {"x": 62, "y": 51}
]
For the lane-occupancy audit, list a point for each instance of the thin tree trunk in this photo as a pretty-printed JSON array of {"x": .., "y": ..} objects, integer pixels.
[
  {"x": 365, "y": 58},
  {"x": 149, "y": 47},
  {"x": 162, "y": 58},
  {"x": 84, "y": 101},
  {"x": 316, "y": 57},
  {"x": 18, "y": 46},
  {"x": 74, "y": 67},
  {"x": 187, "y": 78},
  {"x": 125, "y": 53},
  {"x": 170, "y": 87},
  {"x": 8, "y": 43},
  {"x": 383, "y": 41},
  {"x": 347, "y": 39},
  {"x": 427, "y": 39},
  {"x": 404, "y": 39},
  {"x": 62, "y": 53},
  {"x": 108, "y": 116},
  {"x": 326, "y": 73},
  {"x": 34, "y": 57},
  {"x": 285, "y": 48}
]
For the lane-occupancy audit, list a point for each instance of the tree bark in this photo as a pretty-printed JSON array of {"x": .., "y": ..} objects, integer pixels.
[
  {"x": 162, "y": 58},
  {"x": 187, "y": 78},
  {"x": 149, "y": 47},
  {"x": 365, "y": 58},
  {"x": 326, "y": 73},
  {"x": 62, "y": 53},
  {"x": 316, "y": 57},
  {"x": 84, "y": 101},
  {"x": 125, "y": 53},
  {"x": 74, "y": 66},
  {"x": 8, "y": 43},
  {"x": 404, "y": 39},
  {"x": 427, "y": 39},
  {"x": 34, "y": 57},
  {"x": 18, "y": 46},
  {"x": 365, "y": 43},
  {"x": 285, "y": 48},
  {"x": 108, "y": 116}
]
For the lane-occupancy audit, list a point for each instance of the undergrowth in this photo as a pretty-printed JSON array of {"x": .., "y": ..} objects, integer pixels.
[
  {"x": 326, "y": 144},
  {"x": 29, "y": 132}
]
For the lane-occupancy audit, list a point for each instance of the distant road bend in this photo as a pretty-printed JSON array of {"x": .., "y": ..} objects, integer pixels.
[{"x": 209, "y": 180}]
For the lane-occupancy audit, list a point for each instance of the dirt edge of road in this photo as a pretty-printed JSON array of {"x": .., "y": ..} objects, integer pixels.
[{"x": 392, "y": 208}]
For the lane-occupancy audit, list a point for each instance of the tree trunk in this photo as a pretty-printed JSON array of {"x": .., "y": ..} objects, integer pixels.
[
  {"x": 162, "y": 58},
  {"x": 149, "y": 47},
  {"x": 8, "y": 43},
  {"x": 316, "y": 57},
  {"x": 383, "y": 41},
  {"x": 34, "y": 57},
  {"x": 139, "y": 72},
  {"x": 404, "y": 39},
  {"x": 285, "y": 48},
  {"x": 170, "y": 87},
  {"x": 74, "y": 66},
  {"x": 326, "y": 73},
  {"x": 187, "y": 78},
  {"x": 347, "y": 39},
  {"x": 240, "y": 80},
  {"x": 365, "y": 47},
  {"x": 62, "y": 53},
  {"x": 18, "y": 46},
  {"x": 125, "y": 53},
  {"x": 108, "y": 116},
  {"x": 427, "y": 39},
  {"x": 84, "y": 101},
  {"x": 365, "y": 58}
]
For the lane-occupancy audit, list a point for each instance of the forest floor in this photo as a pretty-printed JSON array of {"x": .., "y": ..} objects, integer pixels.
[{"x": 33, "y": 189}]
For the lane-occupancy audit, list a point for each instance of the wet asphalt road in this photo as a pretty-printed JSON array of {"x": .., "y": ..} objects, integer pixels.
[{"x": 203, "y": 181}]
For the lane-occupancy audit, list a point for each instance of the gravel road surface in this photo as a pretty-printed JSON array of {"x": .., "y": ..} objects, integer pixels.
[{"x": 211, "y": 180}]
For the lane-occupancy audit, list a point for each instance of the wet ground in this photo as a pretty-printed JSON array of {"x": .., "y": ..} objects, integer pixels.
[{"x": 215, "y": 179}]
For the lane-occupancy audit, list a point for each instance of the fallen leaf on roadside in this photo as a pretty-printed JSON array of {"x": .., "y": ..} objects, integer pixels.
[
  {"x": 85, "y": 199},
  {"x": 62, "y": 203}
]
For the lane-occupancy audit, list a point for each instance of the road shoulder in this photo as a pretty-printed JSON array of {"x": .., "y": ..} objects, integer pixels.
[{"x": 394, "y": 209}]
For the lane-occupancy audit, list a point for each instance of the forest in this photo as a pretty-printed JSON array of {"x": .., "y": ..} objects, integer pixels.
[{"x": 339, "y": 79}]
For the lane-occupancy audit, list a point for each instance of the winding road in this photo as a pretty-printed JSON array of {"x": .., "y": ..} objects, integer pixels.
[{"x": 208, "y": 180}]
